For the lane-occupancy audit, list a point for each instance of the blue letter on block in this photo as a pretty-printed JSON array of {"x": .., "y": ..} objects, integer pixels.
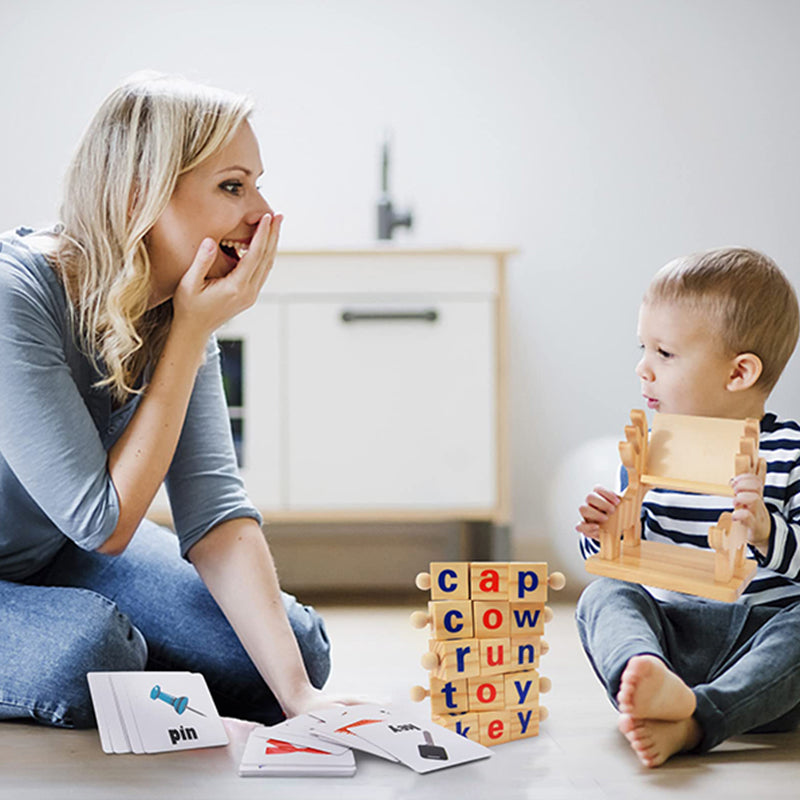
[
  {"x": 522, "y": 690},
  {"x": 448, "y": 690},
  {"x": 462, "y": 729},
  {"x": 447, "y": 573},
  {"x": 449, "y": 625},
  {"x": 524, "y": 721},
  {"x": 461, "y": 654},
  {"x": 526, "y": 582},
  {"x": 526, "y": 618}
]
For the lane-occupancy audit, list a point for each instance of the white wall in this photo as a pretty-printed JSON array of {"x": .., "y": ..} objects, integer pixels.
[{"x": 601, "y": 137}]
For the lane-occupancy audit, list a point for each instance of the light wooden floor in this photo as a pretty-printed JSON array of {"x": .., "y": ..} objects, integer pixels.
[{"x": 578, "y": 754}]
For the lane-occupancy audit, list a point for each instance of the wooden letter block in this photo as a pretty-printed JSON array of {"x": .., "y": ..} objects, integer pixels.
[
  {"x": 495, "y": 727},
  {"x": 522, "y": 690},
  {"x": 486, "y": 694},
  {"x": 449, "y": 697},
  {"x": 489, "y": 581},
  {"x": 465, "y": 725},
  {"x": 495, "y": 656},
  {"x": 451, "y": 620},
  {"x": 525, "y": 651},
  {"x": 457, "y": 658},
  {"x": 491, "y": 619},
  {"x": 450, "y": 580},
  {"x": 524, "y": 723},
  {"x": 526, "y": 619},
  {"x": 527, "y": 583}
]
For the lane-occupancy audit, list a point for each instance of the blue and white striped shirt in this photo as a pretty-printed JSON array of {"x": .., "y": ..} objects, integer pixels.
[{"x": 684, "y": 519}]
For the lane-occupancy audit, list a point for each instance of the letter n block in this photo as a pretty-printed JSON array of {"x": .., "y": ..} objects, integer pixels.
[
  {"x": 465, "y": 725},
  {"x": 489, "y": 580},
  {"x": 450, "y": 580},
  {"x": 451, "y": 620},
  {"x": 525, "y": 651}
]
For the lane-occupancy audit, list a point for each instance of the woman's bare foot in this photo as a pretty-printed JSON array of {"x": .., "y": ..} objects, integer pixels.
[
  {"x": 649, "y": 690},
  {"x": 654, "y": 741}
]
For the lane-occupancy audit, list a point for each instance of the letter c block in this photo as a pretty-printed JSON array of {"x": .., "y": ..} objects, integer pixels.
[
  {"x": 450, "y": 580},
  {"x": 451, "y": 620}
]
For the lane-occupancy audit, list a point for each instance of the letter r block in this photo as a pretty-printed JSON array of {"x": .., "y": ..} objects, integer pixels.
[{"x": 458, "y": 658}]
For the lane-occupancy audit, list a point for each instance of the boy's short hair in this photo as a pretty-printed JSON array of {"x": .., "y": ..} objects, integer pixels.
[{"x": 753, "y": 302}]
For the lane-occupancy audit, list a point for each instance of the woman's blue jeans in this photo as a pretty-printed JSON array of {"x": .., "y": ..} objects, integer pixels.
[
  {"x": 145, "y": 609},
  {"x": 742, "y": 662}
]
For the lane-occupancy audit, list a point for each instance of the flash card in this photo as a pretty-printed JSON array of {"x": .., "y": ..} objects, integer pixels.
[
  {"x": 154, "y": 712},
  {"x": 340, "y": 725},
  {"x": 423, "y": 746},
  {"x": 279, "y": 750}
]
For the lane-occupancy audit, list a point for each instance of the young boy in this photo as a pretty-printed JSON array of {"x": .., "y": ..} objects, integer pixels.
[{"x": 685, "y": 673}]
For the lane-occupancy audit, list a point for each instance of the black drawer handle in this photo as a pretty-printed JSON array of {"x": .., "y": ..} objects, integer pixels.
[{"x": 428, "y": 315}]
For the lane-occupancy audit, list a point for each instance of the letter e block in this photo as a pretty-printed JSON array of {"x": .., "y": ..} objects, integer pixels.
[
  {"x": 450, "y": 580},
  {"x": 489, "y": 580},
  {"x": 491, "y": 619},
  {"x": 451, "y": 620},
  {"x": 495, "y": 727},
  {"x": 527, "y": 583}
]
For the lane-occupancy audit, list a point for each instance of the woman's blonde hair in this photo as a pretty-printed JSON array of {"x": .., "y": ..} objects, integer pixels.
[{"x": 148, "y": 132}]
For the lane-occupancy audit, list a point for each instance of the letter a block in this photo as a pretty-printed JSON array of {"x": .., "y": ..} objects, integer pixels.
[{"x": 489, "y": 581}]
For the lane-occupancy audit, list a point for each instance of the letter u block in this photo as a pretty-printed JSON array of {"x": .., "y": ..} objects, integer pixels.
[
  {"x": 489, "y": 581},
  {"x": 496, "y": 656},
  {"x": 451, "y": 620},
  {"x": 450, "y": 580}
]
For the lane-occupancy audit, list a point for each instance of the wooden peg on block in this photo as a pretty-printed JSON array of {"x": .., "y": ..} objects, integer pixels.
[
  {"x": 447, "y": 697},
  {"x": 448, "y": 620},
  {"x": 446, "y": 580}
]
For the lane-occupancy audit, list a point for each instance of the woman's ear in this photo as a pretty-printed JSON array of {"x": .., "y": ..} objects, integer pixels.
[{"x": 746, "y": 369}]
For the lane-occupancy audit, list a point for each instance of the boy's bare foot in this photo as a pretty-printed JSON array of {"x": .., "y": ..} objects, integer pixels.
[
  {"x": 650, "y": 691},
  {"x": 654, "y": 741}
]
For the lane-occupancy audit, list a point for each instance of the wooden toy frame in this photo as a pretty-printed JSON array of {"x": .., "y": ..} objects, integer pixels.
[{"x": 690, "y": 454}]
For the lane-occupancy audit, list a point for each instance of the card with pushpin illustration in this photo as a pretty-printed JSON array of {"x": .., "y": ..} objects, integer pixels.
[{"x": 154, "y": 712}]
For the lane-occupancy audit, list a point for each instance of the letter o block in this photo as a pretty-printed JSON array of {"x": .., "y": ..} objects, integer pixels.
[
  {"x": 491, "y": 619},
  {"x": 486, "y": 693}
]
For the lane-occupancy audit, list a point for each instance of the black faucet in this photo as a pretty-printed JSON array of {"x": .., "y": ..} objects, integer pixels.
[{"x": 388, "y": 218}]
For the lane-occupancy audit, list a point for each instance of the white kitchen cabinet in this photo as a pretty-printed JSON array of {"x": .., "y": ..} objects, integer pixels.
[{"x": 373, "y": 386}]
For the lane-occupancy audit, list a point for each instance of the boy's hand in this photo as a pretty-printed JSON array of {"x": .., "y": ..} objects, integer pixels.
[
  {"x": 749, "y": 509},
  {"x": 600, "y": 505}
]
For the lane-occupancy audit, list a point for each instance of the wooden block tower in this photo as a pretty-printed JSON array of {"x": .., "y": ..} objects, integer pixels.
[{"x": 487, "y": 621}]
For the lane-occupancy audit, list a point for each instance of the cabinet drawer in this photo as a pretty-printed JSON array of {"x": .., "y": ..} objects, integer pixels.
[{"x": 391, "y": 405}]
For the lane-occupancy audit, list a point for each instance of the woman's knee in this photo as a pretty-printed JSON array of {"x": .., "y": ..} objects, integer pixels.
[{"x": 85, "y": 632}]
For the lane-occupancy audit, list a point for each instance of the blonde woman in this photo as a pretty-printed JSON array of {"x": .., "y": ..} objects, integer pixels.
[{"x": 110, "y": 384}]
